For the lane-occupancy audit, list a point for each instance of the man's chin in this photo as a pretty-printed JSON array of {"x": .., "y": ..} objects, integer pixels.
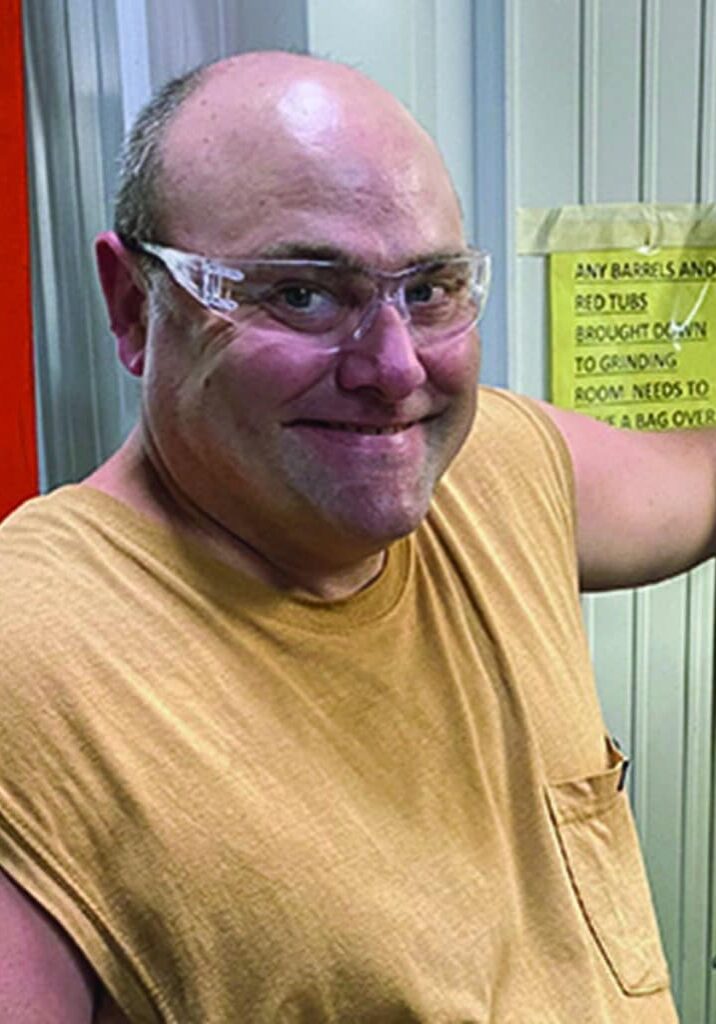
[
  {"x": 376, "y": 524},
  {"x": 369, "y": 511}
]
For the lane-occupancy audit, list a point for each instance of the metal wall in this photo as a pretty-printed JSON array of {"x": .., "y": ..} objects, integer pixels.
[
  {"x": 613, "y": 101},
  {"x": 75, "y": 126}
]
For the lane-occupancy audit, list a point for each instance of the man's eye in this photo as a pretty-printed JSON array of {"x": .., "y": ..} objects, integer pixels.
[
  {"x": 303, "y": 298},
  {"x": 299, "y": 297},
  {"x": 428, "y": 294},
  {"x": 438, "y": 290},
  {"x": 422, "y": 293},
  {"x": 303, "y": 306}
]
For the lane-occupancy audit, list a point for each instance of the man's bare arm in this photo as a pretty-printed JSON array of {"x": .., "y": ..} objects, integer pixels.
[
  {"x": 646, "y": 502},
  {"x": 44, "y": 978}
]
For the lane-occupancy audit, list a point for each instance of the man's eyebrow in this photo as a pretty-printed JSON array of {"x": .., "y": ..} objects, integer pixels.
[
  {"x": 325, "y": 251},
  {"x": 438, "y": 256},
  {"x": 310, "y": 251}
]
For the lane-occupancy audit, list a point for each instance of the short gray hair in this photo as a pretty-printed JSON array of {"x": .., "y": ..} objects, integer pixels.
[{"x": 139, "y": 202}]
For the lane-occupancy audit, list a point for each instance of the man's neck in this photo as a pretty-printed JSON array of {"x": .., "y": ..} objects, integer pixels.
[{"x": 131, "y": 477}]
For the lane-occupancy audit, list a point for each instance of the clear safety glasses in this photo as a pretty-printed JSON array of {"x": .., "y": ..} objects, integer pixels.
[{"x": 329, "y": 303}]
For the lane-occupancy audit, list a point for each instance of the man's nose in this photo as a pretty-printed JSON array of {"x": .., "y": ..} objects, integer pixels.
[{"x": 384, "y": 359}]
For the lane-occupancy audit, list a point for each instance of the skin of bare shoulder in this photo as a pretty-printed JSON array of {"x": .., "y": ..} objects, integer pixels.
[{"x": 43, "y": 976}]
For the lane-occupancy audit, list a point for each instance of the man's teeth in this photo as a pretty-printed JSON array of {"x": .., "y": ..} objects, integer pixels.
[{"x": 355, "y": 428}]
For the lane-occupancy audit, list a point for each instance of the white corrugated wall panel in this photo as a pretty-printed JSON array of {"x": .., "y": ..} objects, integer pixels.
[
  {"x": 613, "y": 100},
  {"x": 74, "y": 129}
]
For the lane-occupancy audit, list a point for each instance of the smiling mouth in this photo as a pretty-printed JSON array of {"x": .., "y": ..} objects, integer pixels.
[{"x": 356, "y": 428}]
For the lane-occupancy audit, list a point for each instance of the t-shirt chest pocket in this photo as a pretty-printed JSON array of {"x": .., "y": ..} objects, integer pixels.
[{"x": 600, "y": 846}]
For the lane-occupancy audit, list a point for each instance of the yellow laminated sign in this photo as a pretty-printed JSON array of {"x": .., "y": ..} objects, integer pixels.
[{"x": 633, "y": 336}]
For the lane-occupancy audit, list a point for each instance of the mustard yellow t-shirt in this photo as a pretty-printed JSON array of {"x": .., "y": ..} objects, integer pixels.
[{"x": 400, "y": 807}]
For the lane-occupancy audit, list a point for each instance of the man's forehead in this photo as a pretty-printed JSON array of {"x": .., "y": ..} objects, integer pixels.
[
  {"x": 265, "y": 107},
  {"x": 306, "y": 91},
  {"x": 315, "y": 142}
]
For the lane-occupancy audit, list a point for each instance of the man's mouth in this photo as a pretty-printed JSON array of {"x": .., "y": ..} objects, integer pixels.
[{"x": 355, "y": 428}]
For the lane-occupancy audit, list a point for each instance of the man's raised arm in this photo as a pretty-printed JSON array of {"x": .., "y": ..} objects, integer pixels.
[{"x": 646, "y": 502}]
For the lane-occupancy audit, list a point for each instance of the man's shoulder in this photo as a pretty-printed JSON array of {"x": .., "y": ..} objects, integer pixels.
[
  {"x": 36, "y": 560},
  {"x": 33, "y": 544},
  {"x": 512, "y": 434},
  {"x": 39, "y": 519},
  {"x": 513, "y": 476},
  {"x": 53, "y": 565},
  {"x": 40, "y": 543}
]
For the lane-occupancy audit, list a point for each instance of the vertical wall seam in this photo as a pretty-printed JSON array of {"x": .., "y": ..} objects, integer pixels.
[
  {"x": 634, "y": 703},
  {"x": 511, "y": 55},
  {"x": 642, "y": 97},
  {"x": 701, "y": 101},
  {"x": 711, "y": 841},
  {"x": 494, "y": 205},
  {"x": 587, "y": 108},
  {"x": 684, "y": 840},
  {"x": 581, "y": 99},
  {"x": 101, "y": 440},
  {"x": 646, "y": 101},
  {"x": 68, "y": 419},
  {"x": 83, "y": 308},
  {"x": 707, "y": 113}
]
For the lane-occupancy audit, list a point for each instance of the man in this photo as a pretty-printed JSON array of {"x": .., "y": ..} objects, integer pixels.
[{"x": 298, "y": 717}]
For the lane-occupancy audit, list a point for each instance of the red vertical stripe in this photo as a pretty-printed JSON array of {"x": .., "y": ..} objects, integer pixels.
[{"x": 18, "y": 446}]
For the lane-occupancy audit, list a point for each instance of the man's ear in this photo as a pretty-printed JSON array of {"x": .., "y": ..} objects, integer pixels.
[{"x": 125, "y": 297}]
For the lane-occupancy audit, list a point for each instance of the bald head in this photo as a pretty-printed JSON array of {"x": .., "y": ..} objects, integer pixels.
[
  {"x": 306, "y": 91},
  {"x": 270, "y": 130},
  {"x": 263, "y": 131}
]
